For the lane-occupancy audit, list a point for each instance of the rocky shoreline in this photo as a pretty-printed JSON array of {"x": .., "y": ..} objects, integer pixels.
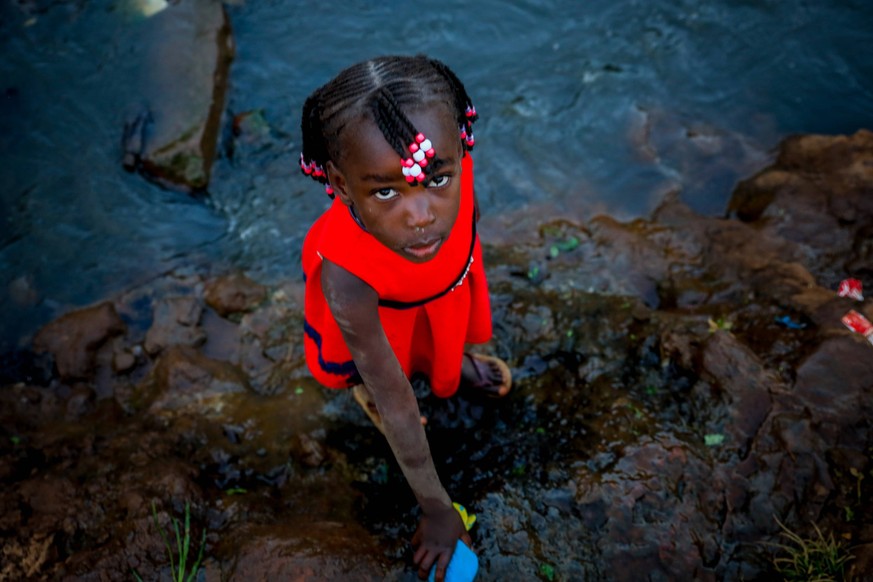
[{"x": 682, "y": 382}]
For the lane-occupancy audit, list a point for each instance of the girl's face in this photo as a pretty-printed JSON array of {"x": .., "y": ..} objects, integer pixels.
[{"x": 411, "y": 220}]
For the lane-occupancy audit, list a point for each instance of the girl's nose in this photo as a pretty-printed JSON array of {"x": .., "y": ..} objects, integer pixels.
[{"x": 420, "y": 211}]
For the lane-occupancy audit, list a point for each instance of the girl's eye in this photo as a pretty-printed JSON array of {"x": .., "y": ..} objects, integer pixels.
[
  {"x": 439, "y": 181},
  {"x": 385, "y": 194}
]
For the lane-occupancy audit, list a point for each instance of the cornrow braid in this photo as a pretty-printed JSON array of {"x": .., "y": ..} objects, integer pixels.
[
  {"x": 383, "y": 89},
  {"x": 394, "y": 125}
]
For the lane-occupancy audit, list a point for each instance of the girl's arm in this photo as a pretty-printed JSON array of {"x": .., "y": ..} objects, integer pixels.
[{"x": 354, "y": 305}]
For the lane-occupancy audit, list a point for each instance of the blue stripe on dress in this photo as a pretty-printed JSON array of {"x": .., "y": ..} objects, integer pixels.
[{"x": 347, "y": 369}]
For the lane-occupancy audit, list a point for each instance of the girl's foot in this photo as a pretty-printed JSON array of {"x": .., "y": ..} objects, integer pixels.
[
  {"x": 486, "y": 374},
  {"x": 362, "y": 397}
]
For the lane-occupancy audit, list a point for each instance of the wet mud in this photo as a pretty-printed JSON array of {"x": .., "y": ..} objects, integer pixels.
[{"x": 680, "y": 384}]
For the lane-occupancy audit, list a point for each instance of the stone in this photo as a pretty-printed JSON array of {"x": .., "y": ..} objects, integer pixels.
[
  {"x": 745, "y": 384},
  {"x": 175, "y": 324},
  {"x": 184, "y": 381},
  {"x": 234, "y": 294},
  {"x": 314, "y": 550},
  {"x": 73, "y": 339},
  {"x": 191, "y": 48}
]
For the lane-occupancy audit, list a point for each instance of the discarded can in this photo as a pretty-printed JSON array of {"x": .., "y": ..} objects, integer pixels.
[
  {"x": 859, "y": 324},
  {"x": 851, "y": 288}
]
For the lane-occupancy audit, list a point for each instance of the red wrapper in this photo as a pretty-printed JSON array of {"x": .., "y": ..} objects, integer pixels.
[
  {"x": 851, "y": 288},
  {"x": 859, "y": 324}
]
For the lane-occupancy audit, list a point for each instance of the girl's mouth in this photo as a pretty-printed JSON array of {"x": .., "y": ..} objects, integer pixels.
[{"x": 424, "y": 250}]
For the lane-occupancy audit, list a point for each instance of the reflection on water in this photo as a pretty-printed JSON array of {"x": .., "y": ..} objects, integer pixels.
[{"x": 586, "y": 107}]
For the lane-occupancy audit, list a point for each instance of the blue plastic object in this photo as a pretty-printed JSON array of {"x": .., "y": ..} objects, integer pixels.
[{"x": 463, "y": 566}]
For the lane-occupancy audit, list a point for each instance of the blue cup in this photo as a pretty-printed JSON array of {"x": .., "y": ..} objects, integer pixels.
[{"x": 463, "y": 566}]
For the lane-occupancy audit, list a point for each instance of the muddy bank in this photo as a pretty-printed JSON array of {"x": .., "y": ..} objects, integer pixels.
[{"x": 681, "y": 383}]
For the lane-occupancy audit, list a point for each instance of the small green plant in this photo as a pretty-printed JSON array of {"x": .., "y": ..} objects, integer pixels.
[
  {"x": 183, "y": 546},
  {"x": 713, "y": 440},
  {"x": 850, "y": 513},
  {"x": 721, "y": 323},
  {"x": 817, "y": 559},
  {"x": 547, "y": 571}
]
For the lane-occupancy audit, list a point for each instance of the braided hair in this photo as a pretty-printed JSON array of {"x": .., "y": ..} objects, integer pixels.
[{"x": 383, "y": 89}]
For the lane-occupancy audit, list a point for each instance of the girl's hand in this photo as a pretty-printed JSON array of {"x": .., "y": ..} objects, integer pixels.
[{"x": 434, "y": 541}]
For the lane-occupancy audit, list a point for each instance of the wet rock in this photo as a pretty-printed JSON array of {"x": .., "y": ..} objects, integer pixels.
[
  {"x": 816, "y": 196},
  {"x": 24, "y": 559},
  {"x": 175, "y": 324},
  {"x": 744, "y": 383},
  {"x": 307, "y": 450},
  {"x": 234, "y": 294},
  {"x": 638, "y": 265},
  {"x": 186, "y": 85},
  {"x": 847, "y": 362},
  {"x": 184, "y": 381},
  {"x": 658, "y": 506},
  {"x": 314, "y": 550},
  {"x": 74, "y": 338},
  {"x": 80, "y": 402},
  {"x": 123, "y": 361}
]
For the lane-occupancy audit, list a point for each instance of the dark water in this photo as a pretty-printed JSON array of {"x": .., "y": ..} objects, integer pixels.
[{"x": 600, "y": 106}]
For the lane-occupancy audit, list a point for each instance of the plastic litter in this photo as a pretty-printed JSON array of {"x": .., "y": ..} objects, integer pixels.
[
  {"x": 786, "y": 321},
  {"x": 859, "y": 324},
  {"x": 851, "y": 288}
]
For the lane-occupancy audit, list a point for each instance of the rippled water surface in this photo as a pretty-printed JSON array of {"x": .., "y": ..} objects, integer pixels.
[{"x": 586, "y": 107}]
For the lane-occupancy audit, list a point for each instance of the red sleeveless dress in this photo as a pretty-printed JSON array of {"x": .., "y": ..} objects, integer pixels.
[{"x": 428, "y": 310}]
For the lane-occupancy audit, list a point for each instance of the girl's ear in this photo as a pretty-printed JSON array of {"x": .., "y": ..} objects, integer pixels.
[{"x": 338, "y": 182}]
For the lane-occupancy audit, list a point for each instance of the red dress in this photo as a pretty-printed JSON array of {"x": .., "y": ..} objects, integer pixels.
[{"x": 428, "y": 310}]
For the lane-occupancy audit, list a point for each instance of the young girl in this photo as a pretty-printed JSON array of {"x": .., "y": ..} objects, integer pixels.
[{"x": 394, "y": 278}]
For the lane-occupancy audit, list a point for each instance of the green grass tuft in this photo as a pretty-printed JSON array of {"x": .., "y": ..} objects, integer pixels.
[
  {"x": 179, "y": 571},
  {"x": 815, "y": 559}
]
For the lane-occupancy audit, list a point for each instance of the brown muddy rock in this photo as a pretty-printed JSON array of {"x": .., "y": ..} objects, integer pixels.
[
  {"x": 185, "y": 381},
  {"x": 48, "y": 506},
  {"x": 817, "y": 195},
  {"x": 311, "y": 551},
  {"x": 655, "y": 511},
  {"x": 26, "y": 408},
  {"x": 265, "y": 341},
  {"x": 308, "y": 451},
  {"x": 73, "y": 339},
  {"x": 136, "y": 545},
  {"x": 191, "y": 49},
  {"x": 25, "y": 559},
  {"x": 835, "y": 384},
  {"x": 234, "y": 293},
  {"x": 740, "y": 260},
  {"x": 175, "y": 324},
  {"x": 743, "y": 383},
  {"x": 815, "y": 431},
  {"x": 637, "y": 265}
]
